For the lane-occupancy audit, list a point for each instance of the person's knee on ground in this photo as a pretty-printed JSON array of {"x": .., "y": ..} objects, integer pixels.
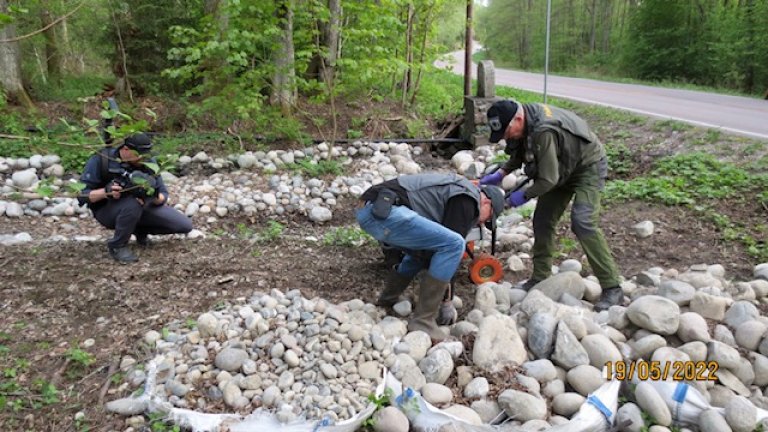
[
  {"x": 430, "y": 296},
  {"x": 185, "y": 226}
]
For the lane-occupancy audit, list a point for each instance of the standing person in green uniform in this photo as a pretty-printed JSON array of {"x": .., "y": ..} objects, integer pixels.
[{"x": 566, "y": 160}]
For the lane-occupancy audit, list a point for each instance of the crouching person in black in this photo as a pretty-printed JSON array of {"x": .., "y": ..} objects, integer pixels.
[{"x": 126, "y": 196}]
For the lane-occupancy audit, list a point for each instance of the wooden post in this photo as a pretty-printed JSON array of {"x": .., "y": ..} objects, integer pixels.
[{"x": 468, "y": 51}]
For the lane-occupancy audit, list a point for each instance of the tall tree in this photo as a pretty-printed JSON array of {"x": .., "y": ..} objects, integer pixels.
[
  {"x": 284, "y": 82},
  {"x": 52, "y": 53},
  {"x": 10, "y": 63},
  {"x": 327, "y": 35}
]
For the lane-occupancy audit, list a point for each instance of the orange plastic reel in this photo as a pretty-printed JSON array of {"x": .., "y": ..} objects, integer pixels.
[
  {"x": 471, "y": 246},
  {"x": 485, "y": 268}
]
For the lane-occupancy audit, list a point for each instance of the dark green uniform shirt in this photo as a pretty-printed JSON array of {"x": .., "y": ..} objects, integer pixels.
[{"x": 558, "y": 142}]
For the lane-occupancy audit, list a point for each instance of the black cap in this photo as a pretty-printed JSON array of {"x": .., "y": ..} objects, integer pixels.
[
  {"x": 139, "y": 142},
  {"x": 499, "y": 116},
  {"x": 496, "y": 195}
]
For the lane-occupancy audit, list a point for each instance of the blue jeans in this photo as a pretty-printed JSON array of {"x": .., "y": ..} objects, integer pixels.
[{"x": 405, "y": 229}]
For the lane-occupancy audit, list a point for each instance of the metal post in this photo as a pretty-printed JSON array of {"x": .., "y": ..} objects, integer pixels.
[
  {"x": 468, "y": 51},
  {"x": 546, "y": 51}
]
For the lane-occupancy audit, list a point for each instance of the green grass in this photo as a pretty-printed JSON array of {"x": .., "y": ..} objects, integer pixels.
[
  {"x": 699, "y": 182},
  {"x": 685, "y": 179}
]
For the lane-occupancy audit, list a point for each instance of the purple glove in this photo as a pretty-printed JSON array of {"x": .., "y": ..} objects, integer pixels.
[
  {"x": 517, "y": 198},
  {"x": 492, "y": 179}
]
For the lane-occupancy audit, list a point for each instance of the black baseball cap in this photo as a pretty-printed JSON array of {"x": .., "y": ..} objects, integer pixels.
[
  {"x": 499, "y": 116},
  {"x": 496, "y": 195},
  {"x": 139, "y": 142}
]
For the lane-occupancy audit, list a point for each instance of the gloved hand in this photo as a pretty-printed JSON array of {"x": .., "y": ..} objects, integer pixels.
[
  {"x": 492, "y": 179},
  {"x": 517, "y": 198},
  {"x": 144, "y": 180},
  {"x": 447, "y": 314}
]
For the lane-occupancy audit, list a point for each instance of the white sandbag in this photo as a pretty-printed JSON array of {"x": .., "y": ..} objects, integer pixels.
[
  {"x": 425, "y": 417},
  {"x": 684, "y": 402},
  {"x": 259, "y": 420},
  {"x": 597, "y": 414}
]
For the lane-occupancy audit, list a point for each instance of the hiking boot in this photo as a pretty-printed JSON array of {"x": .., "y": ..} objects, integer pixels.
[
  {"x": 394, "y": 285},
  {"x": 609, "y": 297},
  {"x": 527, "y": 285},
  {"x": 431, "y": 292},
  {"x": 122, "y": 255}
]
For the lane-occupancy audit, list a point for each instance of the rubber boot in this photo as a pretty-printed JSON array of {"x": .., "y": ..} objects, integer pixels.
[
  {"x": 609, "y": 297},
  {"x": 394, "y": 285},
  {"x": 528, "y": 284},
  {"x": 431, "y": 292}
]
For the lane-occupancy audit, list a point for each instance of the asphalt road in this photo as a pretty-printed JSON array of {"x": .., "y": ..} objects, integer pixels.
[{"x": 736, "y": 114}]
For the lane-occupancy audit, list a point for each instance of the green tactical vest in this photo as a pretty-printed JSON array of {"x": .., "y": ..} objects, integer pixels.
[{"x": 577, "y": 145}]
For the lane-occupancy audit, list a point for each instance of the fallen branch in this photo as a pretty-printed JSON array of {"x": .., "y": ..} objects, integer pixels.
[
  {"x": 108, "y": 380},
  {"x": 19, "y": 137},
  {"x": 57, "y": 375}
]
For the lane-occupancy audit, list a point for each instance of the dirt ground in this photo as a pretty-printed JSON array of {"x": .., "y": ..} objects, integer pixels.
[{"x": 54, "y": 297}]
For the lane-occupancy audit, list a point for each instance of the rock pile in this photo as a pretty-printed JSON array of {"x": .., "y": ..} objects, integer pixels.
[
  {"x": 237, "y": 186},
  {"x": 308, "y": 358}
]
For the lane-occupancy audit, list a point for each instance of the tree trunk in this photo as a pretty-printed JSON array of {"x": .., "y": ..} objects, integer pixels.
[
  {"x": 52, "y": 55},
  {"x": 607, "y": 25},
  {"x": 10, "y": 64},
  {"x": 408, "y": 52},
  {"x": 284, "y": 84},
  {"x": 593, "y": 26},
  {"x": 332, "y": 39},
  {"x": 69, "y": 62},
  {"x": 749, "y": 62},
  {"x": 216, "y": 9}
]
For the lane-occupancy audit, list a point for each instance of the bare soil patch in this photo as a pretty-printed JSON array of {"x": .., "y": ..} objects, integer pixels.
[{"x": 54, "y": 296}]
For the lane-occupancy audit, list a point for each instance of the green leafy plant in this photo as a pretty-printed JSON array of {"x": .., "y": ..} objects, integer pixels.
[
  {"x": 158, "y": 423},
  {"x": 354, "y": 133},
  {"x": 272, "y": 232},
  {"x": 317, "y": 169},
  {"x": 380, "y": 402},
  {"x": 80, "y": 357},
  {"x": 347, "y": 237},
  {"x": 526, "y": 211},
  {"x": 244, "y": 231}
]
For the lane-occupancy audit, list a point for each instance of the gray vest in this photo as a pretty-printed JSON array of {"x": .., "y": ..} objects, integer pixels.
[{"x": 429, "y": 193}]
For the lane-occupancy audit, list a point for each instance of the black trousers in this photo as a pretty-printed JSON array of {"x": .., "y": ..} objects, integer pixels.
[{"x": 127, "y": 216}]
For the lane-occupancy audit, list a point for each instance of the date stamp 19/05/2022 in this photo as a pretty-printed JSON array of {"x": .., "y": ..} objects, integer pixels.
[{"x": 662, "y": 371}]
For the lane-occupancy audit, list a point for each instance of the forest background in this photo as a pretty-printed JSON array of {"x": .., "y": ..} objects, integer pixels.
[{"x": 290, "y": 69}]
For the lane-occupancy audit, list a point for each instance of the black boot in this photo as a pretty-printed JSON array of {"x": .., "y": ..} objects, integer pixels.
[
  {"x": 395, "y": 284},
  {"x": 527, "y": 285},
  {"x": 609, "y": 297},
  {"x": 143, "y": 240},
  {"x": 122, "y": 254}
]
